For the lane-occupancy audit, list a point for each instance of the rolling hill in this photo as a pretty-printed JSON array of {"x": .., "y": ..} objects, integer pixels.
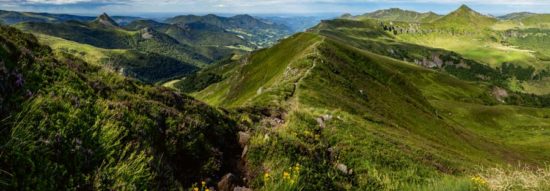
[
  {"x": 394, "y": 101},
  {"x": 180, "y": 57},
  {"x": 499, "y": 44},
  {"x": 13, "y": 17},
  {"x": 357, "y": 107},
  {"x": 524, "y": 21},
  {"x": 465, "y": 17},
  {"x": 396, "y": 14},
  {"x": 374, "y": 114},
  {"x": 295, "y": 23},
  {"x": 255, "y": 31},
  {"x": 194, "y": 42},
  {"x": 195, "y": 34}
]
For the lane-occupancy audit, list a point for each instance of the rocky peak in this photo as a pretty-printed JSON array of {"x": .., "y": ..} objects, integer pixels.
[{"x": 106, "y": 20}]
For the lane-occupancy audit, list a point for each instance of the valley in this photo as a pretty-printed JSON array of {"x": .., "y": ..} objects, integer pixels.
[{"x": 388, "y": 100}]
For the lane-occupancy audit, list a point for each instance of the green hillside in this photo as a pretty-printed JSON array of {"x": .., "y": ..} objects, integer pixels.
[
  {"x": 386, "y": 101},
  {"x": 396, "y": 14},
  {"x": 515, "y": 16},
  {"x": 150, "y": 55},
  {"x": 332, "y": 97},
  {"x": 147, "y": 67},
  {"x": 465, "y": 17},
  {"x": 255, "y": 31},
  {"x": 360, "y": 108},
  {"x": 70, "y": 125},
  {"x": 14, "y": 17},
  {"x": 524, "y": 21},
  {"x": 195, "y": 34},
  {"x": 517, "y": 55},
  {"x": 163, "y": 51},
  {"x": 104, "y": 20}
]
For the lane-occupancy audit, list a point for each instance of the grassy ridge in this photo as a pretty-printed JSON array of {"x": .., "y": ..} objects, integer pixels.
[
  {"x": 395, "y": 125},
  {"x": 260, "y": 73},
  {"x": 396, "y": 14},
  {"x": 147, "y": 67}
]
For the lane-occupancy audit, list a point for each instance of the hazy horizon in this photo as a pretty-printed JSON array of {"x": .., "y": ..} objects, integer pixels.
[{"x": 324, "y": 8}]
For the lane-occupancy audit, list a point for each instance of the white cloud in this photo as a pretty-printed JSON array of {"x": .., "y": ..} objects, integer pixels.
[{"x": 57, "y": 2}]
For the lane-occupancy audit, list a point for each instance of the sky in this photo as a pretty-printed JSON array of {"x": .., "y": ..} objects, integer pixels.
[{"x": 267, "y": 7}]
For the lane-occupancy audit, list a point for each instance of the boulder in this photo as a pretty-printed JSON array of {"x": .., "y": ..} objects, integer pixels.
[
  {"x": 344, "y": 169},
  {"x": 244, "y": 137},
  {"x": 320, "y": 122},
  {"x": 228, "y": 182}
]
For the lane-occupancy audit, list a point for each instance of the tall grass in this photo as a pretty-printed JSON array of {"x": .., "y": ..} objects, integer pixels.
[{"x": 517, "y": 178}]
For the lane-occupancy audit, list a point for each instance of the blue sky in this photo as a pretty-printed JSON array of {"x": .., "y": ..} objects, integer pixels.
[{"x": 305, "y": 7}]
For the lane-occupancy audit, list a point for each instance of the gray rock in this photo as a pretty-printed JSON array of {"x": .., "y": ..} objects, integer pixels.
[
  {"x": 244, "y": 137},
  {"x": 228, "y": 182},
  {"x": 245, "y": 150},
  {"x": 344, "y": 169},
  {"x": 320, "y": 122}
]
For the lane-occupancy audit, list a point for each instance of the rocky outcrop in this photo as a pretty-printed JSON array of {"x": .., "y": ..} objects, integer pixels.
[{"x": 228, "y": 182}]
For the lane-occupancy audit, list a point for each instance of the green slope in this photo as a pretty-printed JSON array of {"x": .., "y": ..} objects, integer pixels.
[
  {"x": 194, "y": 34},
  {"x": 13, "y": 17},
  {"x": 524, "y": 21},
  {"x": 517, "y": 55},
  {"x": 254, "y": 78},
  {"x": 398, "y": 126},
  {"x": 69, "y": 125},
  {"x": 150, "y": 55},
  {"x": 253, "y": 30},
  {"x": 465, "y": 17},
  {"x": 396, "y": 14},
  {"x": 146, "y": 67}
]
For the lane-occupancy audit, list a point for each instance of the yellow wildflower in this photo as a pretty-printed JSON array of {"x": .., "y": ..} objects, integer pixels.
[
  {"x": 195, "y": 189},
  {"x": 286, "y": 175},
  {"x": 479, "y": 180},
  {"x": 207, "y": 189},
  {"x": 297, "y": 168}
]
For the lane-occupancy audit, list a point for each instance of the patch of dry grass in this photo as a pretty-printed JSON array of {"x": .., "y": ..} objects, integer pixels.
[{"x": 517, "y": 178}]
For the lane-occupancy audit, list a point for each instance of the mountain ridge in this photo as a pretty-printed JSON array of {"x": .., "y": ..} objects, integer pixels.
[
  {"x": 466, "y": 17},
  {"x": 105, "y": 20},
  {"x": 397, "y": 14}
]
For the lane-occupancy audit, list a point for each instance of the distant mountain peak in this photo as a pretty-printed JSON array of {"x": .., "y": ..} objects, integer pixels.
[
  {"x": 211, "y": 16},
  {"x": 398, "y": 14},
  {"x": 518, "y": 15},
  {"x": 346, "y": 15},
  {"x": 395, "y": 9},
  {"x": 106, "y": 20},
  {"x": 465, "y": 8},
  {"x": 244, "y": 15},
  {"x": 464, "y": 16}
]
